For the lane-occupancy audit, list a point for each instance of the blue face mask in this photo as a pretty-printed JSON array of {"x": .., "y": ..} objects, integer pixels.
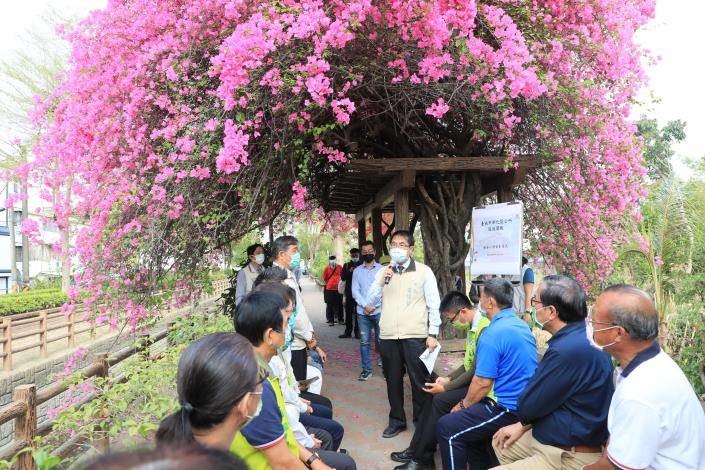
[{"x": 295, "y": 260}]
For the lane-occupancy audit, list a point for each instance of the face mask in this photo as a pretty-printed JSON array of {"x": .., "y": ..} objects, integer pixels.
[
  {"x": 295, "y": 260},
  {"x": 332, "y": 264},
  {"x": 590, "y": 333},
  {"x": 399, "y": 255},
  {"x": 368, "y": 258},
  {"x": 259, "y": 259},
  {"x": 288, "y": 337},
  {"x": 258, "y": 410},
  {"x": 481, "y": 310},
  {"x": 355, "y": 260},
  {"x": 536, "y": 321},
  {"x": 458, "y": 325}
]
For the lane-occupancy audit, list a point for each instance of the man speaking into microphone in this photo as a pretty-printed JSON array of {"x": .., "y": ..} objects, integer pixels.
[{"x": 408, "y": 324}]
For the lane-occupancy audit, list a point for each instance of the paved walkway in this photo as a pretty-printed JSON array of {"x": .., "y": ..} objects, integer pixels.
[{"x": 361, "y": 407}]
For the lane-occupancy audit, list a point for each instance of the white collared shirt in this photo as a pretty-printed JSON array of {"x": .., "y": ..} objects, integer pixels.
[{"x": 655, "y": 420}]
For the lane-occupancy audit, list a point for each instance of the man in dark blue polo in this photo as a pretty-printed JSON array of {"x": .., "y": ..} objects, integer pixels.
[
  {"x": 563, "y": 409},
  {"x": 505, "y": 361}
]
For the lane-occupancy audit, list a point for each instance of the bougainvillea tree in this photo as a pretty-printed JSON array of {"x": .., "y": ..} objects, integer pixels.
[{"x": 182, "y": 124}]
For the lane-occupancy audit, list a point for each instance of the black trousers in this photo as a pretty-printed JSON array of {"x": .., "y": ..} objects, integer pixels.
[
  {"x": 424, "y": 442},
  {"x": 399, "y": 355},
  {"x": 351, "y": 316},
  {"x": 299, "y": 358},
  {"x": 334, "y": 306},
  {"x": 318, "y": 400}
]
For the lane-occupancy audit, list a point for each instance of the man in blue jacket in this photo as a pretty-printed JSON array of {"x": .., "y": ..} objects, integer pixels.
[{"x": 563, "y": 410}]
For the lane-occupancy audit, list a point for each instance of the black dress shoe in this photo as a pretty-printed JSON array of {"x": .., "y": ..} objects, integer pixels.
[
  {"x": 392, "y": 431},
  {"x": 414, "y": 465},
  {"x": 403, "y": 457},
  {"x": 343, "y": 336}
]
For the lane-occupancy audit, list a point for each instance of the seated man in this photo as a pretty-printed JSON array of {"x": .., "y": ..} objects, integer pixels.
[
  {"x": 447, "y": 391},
  {"x": 506, "y": 360},
  {"x": 563, "y": 409},
  {"x": 655, "y": 419},
  {"x": 268, "y": 441}
]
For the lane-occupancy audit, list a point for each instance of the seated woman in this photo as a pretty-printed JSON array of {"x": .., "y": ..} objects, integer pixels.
[
  {"x": 211, "y": 415},
  {"x": 268, "y": 441},
  {"x": 303, "y": 410}
]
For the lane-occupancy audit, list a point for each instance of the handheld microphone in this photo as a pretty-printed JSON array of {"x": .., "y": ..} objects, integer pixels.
[{"x": 388, "y": 278}]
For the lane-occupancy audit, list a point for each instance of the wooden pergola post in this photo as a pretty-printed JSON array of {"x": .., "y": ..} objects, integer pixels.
[
  {"x": 361, "y": 232},
  {"x": 401, "y": 210},
  {"x": 377, "y": 231}
]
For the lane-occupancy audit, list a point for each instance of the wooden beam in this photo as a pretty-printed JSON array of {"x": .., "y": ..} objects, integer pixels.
[
  {"x": 404, "y": 180},
  {"x": 486, "y": 163}
]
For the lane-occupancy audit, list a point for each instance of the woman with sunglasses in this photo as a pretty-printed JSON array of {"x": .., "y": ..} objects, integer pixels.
[{"x": 219, "y": 391}]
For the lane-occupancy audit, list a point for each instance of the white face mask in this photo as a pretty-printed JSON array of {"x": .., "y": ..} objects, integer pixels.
[
  {"x": 399, "y": 255},
  {"x": 590, "y": 333},
  {"x": 258, "y": 410},
  {"x": 259, "y": 259}
]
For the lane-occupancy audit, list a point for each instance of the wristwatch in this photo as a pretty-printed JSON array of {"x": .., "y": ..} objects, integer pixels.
[{"x": 312, "y": 459}]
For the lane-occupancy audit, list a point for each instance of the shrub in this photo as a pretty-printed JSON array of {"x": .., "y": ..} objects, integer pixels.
[
  {"x": 685, "y": 340},
  {"x": 38, "y": 299}
]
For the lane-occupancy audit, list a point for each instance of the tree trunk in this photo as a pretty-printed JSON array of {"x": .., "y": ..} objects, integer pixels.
[
  {"x": 66, "y": 246},
  {"x": 25, "y": 239},
  {"x": 14, "y": 285},
  {"x": 445, "y": 209},
  {"x": 339, "y": 248}
]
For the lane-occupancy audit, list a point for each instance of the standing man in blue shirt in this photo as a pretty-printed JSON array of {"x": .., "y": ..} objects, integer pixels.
[
  {"x": 506, "y": 360},
  {"x": 368, "y": 314},
  {"x": 563, "y": 409}
]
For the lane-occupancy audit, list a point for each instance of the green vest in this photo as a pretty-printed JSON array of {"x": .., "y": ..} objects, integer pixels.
[
  {"x": 471, "y": 341},
  {"x": 253, "y": 458},
  {"x": 471, "y": 346}
]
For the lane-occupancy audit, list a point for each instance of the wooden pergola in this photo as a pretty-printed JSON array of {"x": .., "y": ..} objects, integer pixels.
[{"x": 368, "y": 188}]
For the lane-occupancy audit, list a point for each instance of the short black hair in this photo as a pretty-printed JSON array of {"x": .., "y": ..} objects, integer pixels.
[
  {"x": 406, "y": 234},
  {"x": 501, "y": 291},
  {"x": 272, "y": 273},
  {"x": 367, "y": 243},
  {"x": 454, "y": 301},
  {"x": 279, "y": 288},
  {"x": 175, "y": 457},
  {"x": 524, "y": 260},
  {"x": 282, "y": 244},
  {"x": 252, "y": 248},
  {"x": 258, "y": 312},
  {"x": 566, "y": 295},
  {"x": 354, "y": 250}
]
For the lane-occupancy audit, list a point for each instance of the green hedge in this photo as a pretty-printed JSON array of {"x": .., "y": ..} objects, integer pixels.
[{"x": 38, "y": 299}]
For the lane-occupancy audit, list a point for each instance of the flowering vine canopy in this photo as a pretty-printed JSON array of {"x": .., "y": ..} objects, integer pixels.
[{"x": 182, "y": 124}]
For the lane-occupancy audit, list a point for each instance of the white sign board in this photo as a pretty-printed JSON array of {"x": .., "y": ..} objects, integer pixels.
[{"x": 497, "y": 232}]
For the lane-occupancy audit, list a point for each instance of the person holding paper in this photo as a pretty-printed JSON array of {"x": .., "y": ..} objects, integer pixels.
[
  {"x": 409, "y": 325},
  {"x": 464, "y": 315},
  {"x": 506, "y": 361}
]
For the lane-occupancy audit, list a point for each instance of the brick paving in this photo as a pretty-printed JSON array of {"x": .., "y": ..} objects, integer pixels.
[{"x": 361, "y": 407}]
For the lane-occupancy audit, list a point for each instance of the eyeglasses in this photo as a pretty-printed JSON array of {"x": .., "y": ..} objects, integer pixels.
[
  {"x": 400, "y": 245},
  {"x": 455, "y": 316},
  {"x": 535, "y": 302}
]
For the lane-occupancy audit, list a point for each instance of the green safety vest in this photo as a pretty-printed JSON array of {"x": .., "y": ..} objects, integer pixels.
[
  {"x": 253, "y": 458},
  {"x": 471, "y": 346}
]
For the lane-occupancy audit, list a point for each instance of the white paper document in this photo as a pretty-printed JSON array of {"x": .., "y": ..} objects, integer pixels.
[{"x": 429, "y": 357}]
